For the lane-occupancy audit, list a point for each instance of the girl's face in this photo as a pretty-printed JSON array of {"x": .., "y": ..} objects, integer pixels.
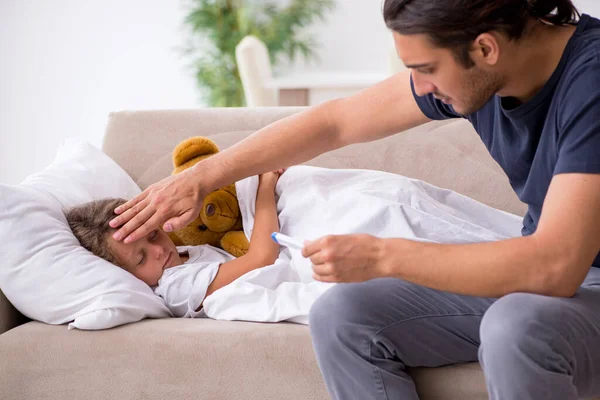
[{"x": 148, "y": 257}]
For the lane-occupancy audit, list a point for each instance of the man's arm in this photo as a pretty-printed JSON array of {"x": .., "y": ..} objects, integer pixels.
[
  {"x": 376, "y": 112},
  {"x": 553, "y": 261},
  {"x": 556, "y": 258},
  {"x": 382, "y": 110}
]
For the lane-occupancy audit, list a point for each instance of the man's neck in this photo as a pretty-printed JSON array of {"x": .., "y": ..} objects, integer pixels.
[{"x": 534, "y": 60}]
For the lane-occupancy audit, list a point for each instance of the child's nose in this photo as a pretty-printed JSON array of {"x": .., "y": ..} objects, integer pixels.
[{"x": 159, "y": 251}]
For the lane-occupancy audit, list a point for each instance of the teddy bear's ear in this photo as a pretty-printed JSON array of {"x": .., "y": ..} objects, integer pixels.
[{"x": 192, "y": 150}]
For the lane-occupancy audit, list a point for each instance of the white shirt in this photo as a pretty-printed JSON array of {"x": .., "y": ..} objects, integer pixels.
[{"x": 183, "y": 287}]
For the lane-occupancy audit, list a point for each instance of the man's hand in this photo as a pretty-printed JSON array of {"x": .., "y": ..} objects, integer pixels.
[
  {"x": 173, "y": 203},
  {"x": 345, "y": 258}
]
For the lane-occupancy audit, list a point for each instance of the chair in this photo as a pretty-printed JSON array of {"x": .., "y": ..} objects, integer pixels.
[{"x": 254, "y": 66}]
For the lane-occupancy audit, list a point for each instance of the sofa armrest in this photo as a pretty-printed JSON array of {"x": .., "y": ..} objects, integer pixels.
[{"x": 9, "y": 316}]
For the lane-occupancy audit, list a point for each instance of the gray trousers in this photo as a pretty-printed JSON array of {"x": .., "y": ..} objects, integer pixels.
[{"x": 530, "y": 346}]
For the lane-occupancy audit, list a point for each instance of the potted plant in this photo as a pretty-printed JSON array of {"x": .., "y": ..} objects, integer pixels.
[{"x": 217, "y": 26}]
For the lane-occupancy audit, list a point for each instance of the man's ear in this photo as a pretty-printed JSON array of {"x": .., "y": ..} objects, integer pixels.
[{"x": 485, "y": 49}]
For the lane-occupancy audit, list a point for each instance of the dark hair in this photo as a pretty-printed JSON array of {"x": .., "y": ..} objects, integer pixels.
[
  {"x": 455, "y": 24},
  {"x": 89, "y": 223}
]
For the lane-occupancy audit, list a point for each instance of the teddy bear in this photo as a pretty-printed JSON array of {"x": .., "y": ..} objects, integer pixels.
[{"x": 220, "y": 221}]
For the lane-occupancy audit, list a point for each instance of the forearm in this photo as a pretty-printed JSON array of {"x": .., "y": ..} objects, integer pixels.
[
  {"x": 490, "y": 269},
  {"x": 289, "y": 141},
  {"x": 265, "y": 222}
]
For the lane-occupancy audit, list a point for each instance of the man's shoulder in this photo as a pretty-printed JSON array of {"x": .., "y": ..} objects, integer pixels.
[
  {"x": 585, "y": 47},
  {"x": 591, "y": 28},
  {"x": 581, "y": 76},
  {"x": 581, "y": 72}
]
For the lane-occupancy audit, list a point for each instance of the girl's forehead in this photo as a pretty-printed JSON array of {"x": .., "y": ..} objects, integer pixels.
[{"x": 125, "y": 251}]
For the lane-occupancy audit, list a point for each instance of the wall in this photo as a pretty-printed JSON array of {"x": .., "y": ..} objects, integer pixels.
[
  {"x": 66, "y": 64},
  {"x": 353, "y": 39},
  {"x": 591, "y": 7}
]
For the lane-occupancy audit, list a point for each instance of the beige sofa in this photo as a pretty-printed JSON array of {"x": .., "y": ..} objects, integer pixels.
[{"x": 207, "y": 359}]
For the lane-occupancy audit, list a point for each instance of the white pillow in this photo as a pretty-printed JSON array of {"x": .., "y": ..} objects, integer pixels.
[{"x": 46, "y": 274}]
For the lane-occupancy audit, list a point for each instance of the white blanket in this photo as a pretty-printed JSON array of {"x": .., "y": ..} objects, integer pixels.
[{"x": 314, "y": 202}]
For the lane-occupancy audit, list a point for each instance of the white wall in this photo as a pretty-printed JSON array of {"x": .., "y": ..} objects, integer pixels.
[
  {"x": 353, "y": 39},
  {"x": 65, "y": 64},
  {"x": 591, "y": 7}
]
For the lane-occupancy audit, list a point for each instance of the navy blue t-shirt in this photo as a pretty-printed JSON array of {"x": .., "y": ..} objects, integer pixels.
[{"x": 557, "y": 131}]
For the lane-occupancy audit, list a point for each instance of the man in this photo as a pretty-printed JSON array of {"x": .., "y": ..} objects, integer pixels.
[{"x": 528, "y": 77}]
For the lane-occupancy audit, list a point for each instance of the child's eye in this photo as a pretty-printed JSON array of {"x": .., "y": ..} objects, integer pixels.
[
  {"x": 426, "y": 71},
  {"x": 153, "y": 235},
  {"x": 142, "y": 260}
]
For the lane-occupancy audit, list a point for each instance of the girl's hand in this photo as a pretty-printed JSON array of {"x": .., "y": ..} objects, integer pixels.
[{"x": 270, "y": 178}]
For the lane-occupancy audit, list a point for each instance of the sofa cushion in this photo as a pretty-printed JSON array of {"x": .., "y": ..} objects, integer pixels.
[
  {"x": 174, "y": 358},
  {"x": 163, "y": 166},
  {"x": 187, "y": 359}
]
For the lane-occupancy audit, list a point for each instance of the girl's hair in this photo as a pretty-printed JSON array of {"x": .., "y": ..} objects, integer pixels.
[
  {"x": 455, "y": 24},
  {"x": 89, "y": 223}
]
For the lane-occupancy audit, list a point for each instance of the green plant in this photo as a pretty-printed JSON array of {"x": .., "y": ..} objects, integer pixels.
[{"x": 217, "y": 26}]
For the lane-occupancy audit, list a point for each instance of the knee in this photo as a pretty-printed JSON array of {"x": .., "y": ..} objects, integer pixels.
[
  {"x": 336, "y": 309},
  {"x": 514, "y": 322}
]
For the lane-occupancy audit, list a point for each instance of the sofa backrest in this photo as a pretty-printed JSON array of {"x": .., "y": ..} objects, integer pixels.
[{"x": 448, "y": 154}]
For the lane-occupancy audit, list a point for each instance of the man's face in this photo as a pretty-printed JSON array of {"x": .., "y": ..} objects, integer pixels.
[
  {"x": 148, "y": 257},
  {"x": 436, "y": 71}
]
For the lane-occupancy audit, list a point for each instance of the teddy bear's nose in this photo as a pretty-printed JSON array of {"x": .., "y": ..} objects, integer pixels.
[
  {"x": 202, "y": 227},
  {"x": 210, "y": 210}
]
